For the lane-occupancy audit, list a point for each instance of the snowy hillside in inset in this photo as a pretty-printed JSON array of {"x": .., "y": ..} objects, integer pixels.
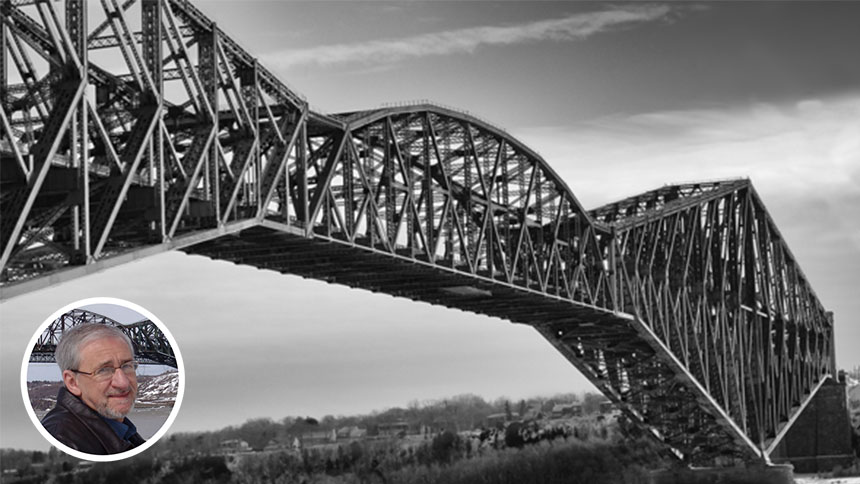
[
  {"x": 158, "y": 391},
  {"x": 152, "y": 391}
]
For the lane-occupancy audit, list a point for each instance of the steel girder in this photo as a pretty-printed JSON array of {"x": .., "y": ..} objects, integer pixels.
[
  {"x": 682, "y": 305},
  {"x": 150, "y": 344}
]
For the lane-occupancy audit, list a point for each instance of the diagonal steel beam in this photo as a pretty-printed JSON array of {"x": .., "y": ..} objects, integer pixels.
[{"x": 42, "y": 153}]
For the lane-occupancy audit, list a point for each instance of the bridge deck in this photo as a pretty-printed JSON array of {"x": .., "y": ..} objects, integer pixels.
[
  {"x": 337, "y": 261},
  {"x": 613, "y": 350}
]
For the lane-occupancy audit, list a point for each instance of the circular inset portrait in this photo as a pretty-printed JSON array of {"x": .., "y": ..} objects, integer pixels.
[{"x": 102, "y": 379}]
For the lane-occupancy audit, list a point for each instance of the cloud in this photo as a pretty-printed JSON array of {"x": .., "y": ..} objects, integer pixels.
[
  {"x": 807, "y": 147},
  {"x": 570, "y": 28},
  {"x": 803, "y": 158}
]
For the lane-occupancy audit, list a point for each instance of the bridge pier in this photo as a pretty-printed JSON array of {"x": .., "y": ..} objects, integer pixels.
[
  {"x": 820, "y": 439},
  {"x": 761, "y": 474}
]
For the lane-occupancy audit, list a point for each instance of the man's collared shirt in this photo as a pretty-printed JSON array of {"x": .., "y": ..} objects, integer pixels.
[{"x": 124, "y": 429}]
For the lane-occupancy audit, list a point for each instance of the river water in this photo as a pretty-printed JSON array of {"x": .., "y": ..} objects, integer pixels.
[{"x": 149, "y": 420}]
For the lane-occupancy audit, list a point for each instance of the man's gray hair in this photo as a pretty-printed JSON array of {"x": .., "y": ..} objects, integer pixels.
[{"x": 68, "y": 352}]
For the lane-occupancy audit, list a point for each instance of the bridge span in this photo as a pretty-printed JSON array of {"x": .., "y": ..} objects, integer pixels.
[
  {"x": 150, "y": 345},
  {"x": 683, "y": 305}
]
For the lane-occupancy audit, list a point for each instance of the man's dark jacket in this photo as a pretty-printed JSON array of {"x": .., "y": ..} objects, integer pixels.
[{"x": 78, "y": 426}]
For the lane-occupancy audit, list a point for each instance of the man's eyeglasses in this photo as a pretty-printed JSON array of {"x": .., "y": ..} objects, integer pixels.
[{"x": 106, "y": 372}]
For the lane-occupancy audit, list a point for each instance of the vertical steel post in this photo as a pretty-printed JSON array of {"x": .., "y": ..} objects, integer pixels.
[
  {"x": 831, "y": 321},
  {"x": 4, "y": 85},
  {"x": 250, "y": 87},
  {"x": 152, "y": 45},
  {"x": 388, "y": 181},
  {"x": 76, "y": 25},
  {"x": 302, "y": 170},
  {"x": 429, "y": 209},
  {"x": 208, "y": 67},
  {"x": 348, "y": 166},
  {"x": 257, "y": 172},
  {"x": 408, "y": 197},
  {"x": 613, "y": 267},
  {"x": 4, "y": 73}
]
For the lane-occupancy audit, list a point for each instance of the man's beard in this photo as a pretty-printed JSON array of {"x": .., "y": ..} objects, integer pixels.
[{"x": 107, "y": 412}]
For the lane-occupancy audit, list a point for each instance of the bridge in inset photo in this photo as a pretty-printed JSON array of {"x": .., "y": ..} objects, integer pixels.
[
  {"x": 150, "y": 345},
  {"x": 153, "y": 130}
]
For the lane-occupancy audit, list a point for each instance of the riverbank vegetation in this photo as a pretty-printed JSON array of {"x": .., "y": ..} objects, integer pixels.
[{"x": 460, "y": 440}]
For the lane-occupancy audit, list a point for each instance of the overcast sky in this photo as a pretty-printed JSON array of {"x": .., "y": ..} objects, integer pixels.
[{"x": 618, "y": 98}]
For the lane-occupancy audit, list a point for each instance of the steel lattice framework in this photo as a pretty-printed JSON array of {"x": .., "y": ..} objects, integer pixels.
[
  {"x": 150, "y": 345},
  {"x": 155, "y": 131},
  {"x": 704, "y": 267}
]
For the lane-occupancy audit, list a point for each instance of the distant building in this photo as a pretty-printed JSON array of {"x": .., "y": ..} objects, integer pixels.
[
  {"x": 393, "y": 429},
  {"x": 352, "y": 432},
  {"x": 564, "y": 410},
  {"x": 234, "y": 445},
  {"x": 318, "y": 437},
  {"x": 275, "y": 445}
]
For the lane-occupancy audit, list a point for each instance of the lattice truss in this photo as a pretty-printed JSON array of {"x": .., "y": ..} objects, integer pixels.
[
  {"x": 150, "y": 344},
  {"x": 723, "y": 301},
  {"x": 431, "y": 185},
  {"x": 137, "y": 128},
  {"x": 147, "y": 126}
]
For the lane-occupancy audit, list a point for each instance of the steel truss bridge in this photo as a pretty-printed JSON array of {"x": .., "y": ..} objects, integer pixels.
[
  {"x": 152, "y": 130},
  {"x": 150, "y": 345}
]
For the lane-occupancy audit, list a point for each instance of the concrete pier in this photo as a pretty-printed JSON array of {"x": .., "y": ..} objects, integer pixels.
[
  {"x": 775, "y": 474},
  {"x": 820, "y": 439}
]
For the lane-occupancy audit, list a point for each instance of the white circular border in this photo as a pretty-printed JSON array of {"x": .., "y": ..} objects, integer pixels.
[{"x": 25, "y": 394}]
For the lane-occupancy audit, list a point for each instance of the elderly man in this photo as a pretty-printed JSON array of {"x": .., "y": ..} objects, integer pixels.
[{"x": 100, "y": 386}]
